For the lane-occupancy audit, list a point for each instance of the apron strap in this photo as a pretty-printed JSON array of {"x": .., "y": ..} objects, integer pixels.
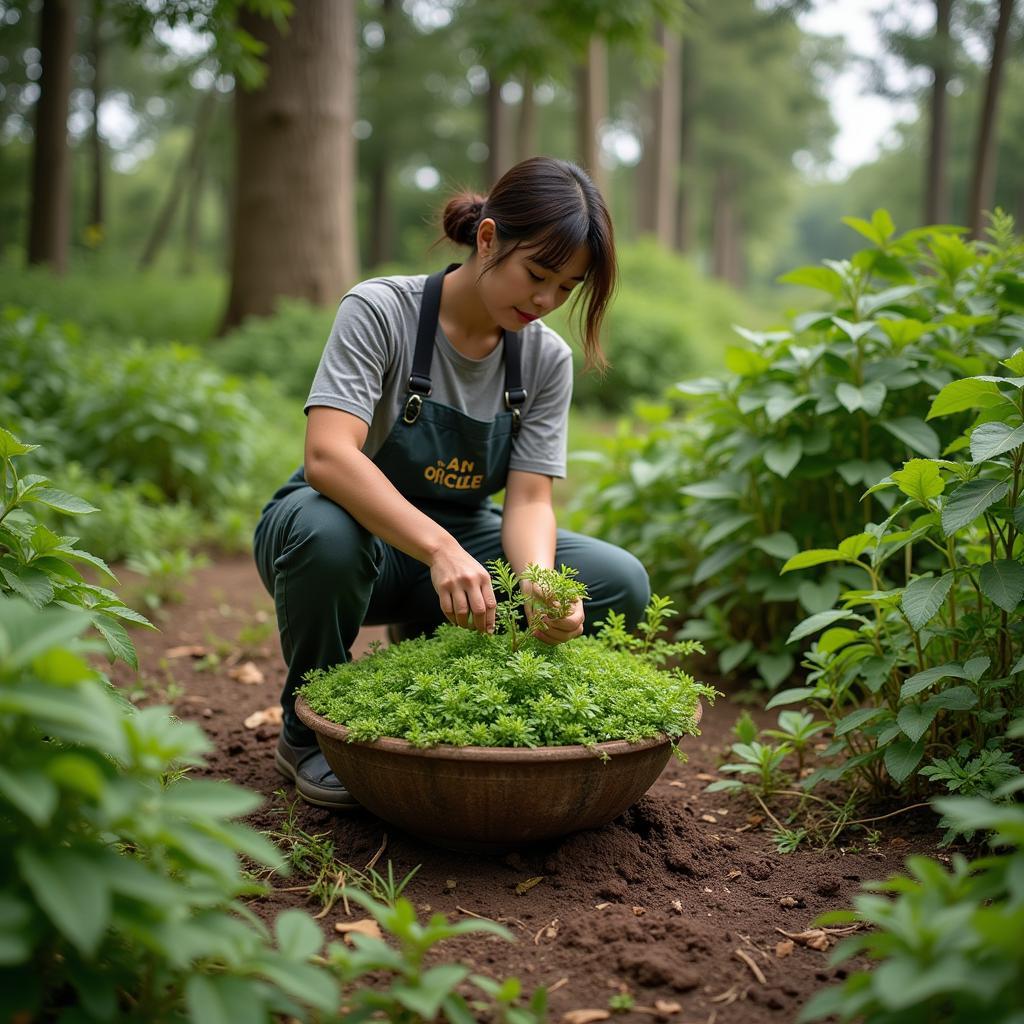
[{"x": 419, "y": 385}]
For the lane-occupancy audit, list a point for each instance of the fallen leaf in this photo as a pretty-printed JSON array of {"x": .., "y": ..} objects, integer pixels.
[
  {"x": 709, "y": 818},
  {"x": 704, "y": 777},
  {"x": 755, "y": 819},
  {"x": 639, "y": 911},
  {"x": 584, "y": 1016},
  {"x": 667, "y": 1006},
  {"x": 789, "y": 901},
  {"x": 723, "y": 811},
  {"x": 678, "y": 785},
  {"x": 187, "y": 651},
  {"x": 677, "y": 905},
  {"x": 754, "y": 969},
  {"x": 268, "y": 716},
  {"x": 735, "y": 873},
  {"x": 784, "y": 948},
  {"x": 601, "y": 906},
  {"x": 524, "y": 887},
  {"x": 814, "y": 938},
  {"x": 367, "y": 926},
  {"x": 247, "y": 673}
]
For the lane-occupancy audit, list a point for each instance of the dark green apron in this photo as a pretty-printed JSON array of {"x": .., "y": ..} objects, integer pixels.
[{"x": 436, "y": 454}]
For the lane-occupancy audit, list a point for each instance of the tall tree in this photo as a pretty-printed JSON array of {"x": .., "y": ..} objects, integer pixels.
[
  {"x": 294, "y": 221},
  {"x": 97, "y": 203},
  {"x": 984, "y": 173},
  {"x": 592, "y": 109},
  {"x": 50, "y": 216},
  {"x": 936, "y": 193}
]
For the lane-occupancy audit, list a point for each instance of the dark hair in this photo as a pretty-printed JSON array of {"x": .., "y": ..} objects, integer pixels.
[{"x": 553, "y": 205}]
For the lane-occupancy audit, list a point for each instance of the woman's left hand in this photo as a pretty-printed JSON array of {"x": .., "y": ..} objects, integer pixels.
[{"x": 556, "y": 631}]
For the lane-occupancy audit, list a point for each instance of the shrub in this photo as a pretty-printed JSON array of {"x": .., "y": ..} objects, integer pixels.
[
  {"x": 951, "y": 943},
  {"x": 774, "y": 457},
  {"x": 511, "y": 690},
  {"x": 122, "y": 876}
]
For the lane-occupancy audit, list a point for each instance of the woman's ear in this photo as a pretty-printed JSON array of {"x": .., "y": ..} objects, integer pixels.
[{"x": 486, "y": 237}]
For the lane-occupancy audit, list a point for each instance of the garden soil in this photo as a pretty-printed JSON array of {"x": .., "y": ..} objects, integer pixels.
[{"x": 683, "y": 902}]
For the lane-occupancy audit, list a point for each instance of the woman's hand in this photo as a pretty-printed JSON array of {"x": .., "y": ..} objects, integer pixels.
[
  {"x": 554, "y": 631},
  {"x": 464, "y": 588}
]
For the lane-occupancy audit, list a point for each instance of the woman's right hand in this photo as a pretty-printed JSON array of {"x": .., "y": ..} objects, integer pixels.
[{"x": 464, "y": 588}]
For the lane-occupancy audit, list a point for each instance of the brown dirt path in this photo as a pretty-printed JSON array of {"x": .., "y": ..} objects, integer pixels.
[{"x": 660, "y": 904}]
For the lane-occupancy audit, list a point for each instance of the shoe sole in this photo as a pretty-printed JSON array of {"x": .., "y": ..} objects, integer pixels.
[{"x": 318, "y": 796}]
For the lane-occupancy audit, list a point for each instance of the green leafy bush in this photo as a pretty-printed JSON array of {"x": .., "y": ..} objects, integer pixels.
[
  {"x": 508, "y": 689},
  {"x": 774, "y": 457},
  {"x": 39, "y": 565},
  {"x": 951, "y": 943},
  {"x": 926, "y": 657},
  {"x": 122, "y": 876}
]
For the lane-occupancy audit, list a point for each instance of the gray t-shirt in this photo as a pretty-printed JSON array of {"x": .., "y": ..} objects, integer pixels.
[{"x": 366, "y": 364}]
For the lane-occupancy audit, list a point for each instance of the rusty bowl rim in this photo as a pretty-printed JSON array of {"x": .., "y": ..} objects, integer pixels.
[{"x": 392, "y": 745}]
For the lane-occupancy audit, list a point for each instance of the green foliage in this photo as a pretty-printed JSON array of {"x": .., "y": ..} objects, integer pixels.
[
  {"x": 122, "y": 876},
  {"x": 508, "y": 689},
  {"x": 40, "y": 565},
  {"x": 773, "y": 459},
  {"x": 415, "y": 993},
  {"x": 154, "y": 431},
  {"x": 951, "y": 942},
  {"x": 552, "y": 593}
]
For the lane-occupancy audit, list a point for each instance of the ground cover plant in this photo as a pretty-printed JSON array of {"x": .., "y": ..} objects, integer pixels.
[
  {"x": 509, "y": 689},
  {"x": 743, "y": 471}
]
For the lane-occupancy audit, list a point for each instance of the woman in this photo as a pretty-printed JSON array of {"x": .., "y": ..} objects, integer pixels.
[{"x": 432, "y": 394}]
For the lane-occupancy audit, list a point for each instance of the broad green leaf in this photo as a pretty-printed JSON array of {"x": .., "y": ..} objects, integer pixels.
[
  {"x": 822, "y": 278},
  {"x": 867, "y": 229},
  {"x": 774, "y": 668},
  {"x": 903, "y": 332},
  {"x": 298, "y": 935},
  {"x": 870, "y": 397},
  {"x": 817, "y": 597},
  {"x": 33, "y": 794},
  {"x": 117, "y": 638},
  {"x": 718, "y": 560},
  {"x": 10, "y": 446},
  {"x": 62, "y": 501},
  {"x": 914, "y": 720},
  {"x": 881, "y": 221},
  {"x": 915, "y": 434},
  {"x": 1002, "y": 582},
  {"x": 791, "y": 696},
  {"x": 222, "y": 999},
  {"x": 857, "y": 719},
  {"x": 990, "y": 440},
  {"x": 720, "y": 488},
  {"x": 84, "y": 556},
  {"x": 853, "y": 547},
  {"x": 781, "y": 457},
  {"x": 72, "y": 890},
  {"x": 435, "y": 985},
  {"x": 1015, "y": 364},
  {"x": 956, "y": 698},
  {"x": 35, "y": 632},
  {"x": 902, "y": 757},
  {"x": 816, "y": 556},
  {"x": 745, "y": 362},
  {"x": 969, "y": 393},
  {"x": 975, "y": 668},
  {"x": 701, "y": 386},
  {"x": 209, "y": 799},
  {"x": 731, "y": 656},
  {"x": 924, "y": 596},
  {"x": 722, "y": 529},
  {"x": 839, "y": 636},
  {"x": 853, "y": 331},
  {"x": 969, "y": 501},
  {"x": 34, "y": 585},
  {"x": 922, "y": 680},
  {"x": 815, "y": 622},
  {"x": 778, "y": 545},
  {"x": 780, "y": 406},
  {"x": 919, "y": 479}
]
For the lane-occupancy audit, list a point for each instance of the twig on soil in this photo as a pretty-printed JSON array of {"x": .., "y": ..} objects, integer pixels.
[
  {"x": 551, "y": 927},
  {"x": 764, "y": 807},
  {"x": 561, "y": 983},
  {"x": 729, "y": 996},
  {"x": 469, "y": 913},
  {"x": 891, "y": 814},
  {"x": 376, "y": 857},
  {"x": 754, "y": 969},
  {"x": 756, "y": 949}
]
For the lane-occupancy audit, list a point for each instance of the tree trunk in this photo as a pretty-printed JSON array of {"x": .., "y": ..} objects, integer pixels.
[
  {"x": 50, "y": 213},
  {"x": 382, "y": 225},
  {"x": 183, "y": 175},
  {"x": 592, "y": 112},
  {"x": 936, "y": 202},
  {"x": 499, "y": 155},
  {"x": 686, "y": 235},
  {"x": 726, "y": 250},
  {"x": 193, "y": 209},
  {"x": 527, "y": 141},
  {"x": 97, "y": 211},
  {"x": 294, "y": 219},
  {"x": 666, "y": 180},
  {"x": 983, "y": 178}
]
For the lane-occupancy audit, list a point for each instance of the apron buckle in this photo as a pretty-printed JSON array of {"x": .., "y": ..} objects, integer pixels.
[
  {"x": 516, "y": 421},
  {"x": 413, "y": 406}
]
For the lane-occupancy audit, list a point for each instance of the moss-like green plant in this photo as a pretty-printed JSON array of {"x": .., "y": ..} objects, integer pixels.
[{"x": 466, "y": 688}]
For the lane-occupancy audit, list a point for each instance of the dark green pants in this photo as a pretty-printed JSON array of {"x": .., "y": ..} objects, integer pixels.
[{"x": 328, "y": 576}]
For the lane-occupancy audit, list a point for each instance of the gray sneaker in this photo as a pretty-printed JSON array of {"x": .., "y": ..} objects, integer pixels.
[{"x": 314, "y": 781}]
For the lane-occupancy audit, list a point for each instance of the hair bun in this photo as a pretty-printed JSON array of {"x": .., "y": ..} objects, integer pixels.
[{"x": 461, "y": 216}]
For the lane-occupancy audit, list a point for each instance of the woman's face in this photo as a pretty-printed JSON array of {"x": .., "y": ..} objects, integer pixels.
[{"x": 519, "y": 289}]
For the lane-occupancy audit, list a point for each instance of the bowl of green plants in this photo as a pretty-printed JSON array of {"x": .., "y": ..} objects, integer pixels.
[{"x": 488, "y": 741}]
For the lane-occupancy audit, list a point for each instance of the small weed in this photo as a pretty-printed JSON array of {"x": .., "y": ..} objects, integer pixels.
[
  {"x": 621, "y": 1002},
  {"x": 165, "y": 573}
]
